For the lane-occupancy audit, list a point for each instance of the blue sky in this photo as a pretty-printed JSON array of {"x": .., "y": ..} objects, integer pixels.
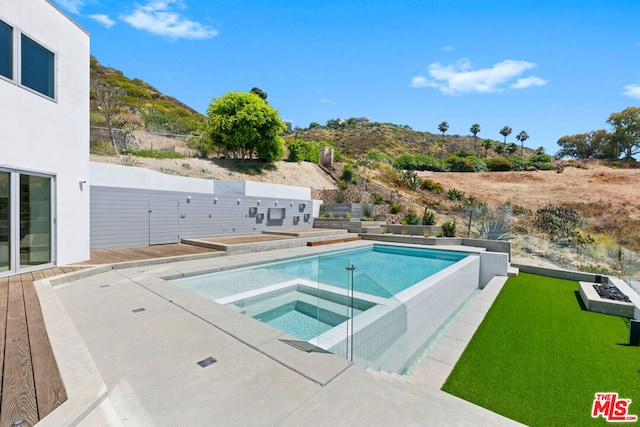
[{"x": 551, "y": 68}]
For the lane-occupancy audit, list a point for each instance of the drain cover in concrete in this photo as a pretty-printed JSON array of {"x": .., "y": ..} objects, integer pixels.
[
  {"x": 206, "y": 362},
  {"x": 138, "y": 310},
  {"x": 305, "y": 346}
]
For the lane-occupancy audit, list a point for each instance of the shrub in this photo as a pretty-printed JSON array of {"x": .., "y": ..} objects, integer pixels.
[
  {"x": 377, "y": 199},
  {"x": 541, "y": 161},
  {"x": 304, "y": 151},
  {"x": 499, "y": 164},
  {"x": 410, "y": 218},
  {"x": 410, "y": 179},
  {"x": 455, "y": 194},
  {"x": 102, "y": 148},
  {"x": 395, "y": 207},
  {"x": 519, "y": 164},
  {"x": 349, "y": 174},
  {"x": 460, "y": 164},
  {"x": 449, "y": 229},
  {"x": 432, "y": 186},
  {"x": 559, "y": 222},
  {"x": 428, "y": 217},
  {"x": 151, "y": 154},
  {"x": 421, "y": 163}
]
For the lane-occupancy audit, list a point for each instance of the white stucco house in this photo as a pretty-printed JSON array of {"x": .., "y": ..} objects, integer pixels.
[{"x": 44, "y": 150}]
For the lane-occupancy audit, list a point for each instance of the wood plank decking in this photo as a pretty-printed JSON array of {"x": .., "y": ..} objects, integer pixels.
[{"x": 31, "y": 386}]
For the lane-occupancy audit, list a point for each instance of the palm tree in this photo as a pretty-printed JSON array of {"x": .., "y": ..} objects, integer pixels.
[
  {"x": 522, "y": 137},
  {"x": 505, "y": 131},
  {"x": 512, "y": 148},
  {"x": 443, "y": 127},
  {"x": 487, "y": 144},
  {"x": 475, "y": 129}
]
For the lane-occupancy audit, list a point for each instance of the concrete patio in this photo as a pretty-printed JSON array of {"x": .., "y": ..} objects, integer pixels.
[{"x": 128, "y": 345}]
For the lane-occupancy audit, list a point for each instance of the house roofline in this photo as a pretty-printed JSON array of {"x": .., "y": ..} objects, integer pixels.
[{"x": 68, "y": 17}]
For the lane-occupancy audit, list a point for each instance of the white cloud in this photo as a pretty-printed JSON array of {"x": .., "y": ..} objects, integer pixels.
[
  {"x": 460, "y": 77},
  {"x": 448, "y": 48},
  {"x": 327, "y": 101},
  {"x": 158, "y": 17},
  {"x": 72, "y": 6},
  {"x": 528, "y": 82},
  {"x": 103, "y": 19},
  {"x": 632, "y": 91}
]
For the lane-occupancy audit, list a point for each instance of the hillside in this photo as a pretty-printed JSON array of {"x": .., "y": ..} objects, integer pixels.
[
  {"x": 608, "y": 198},
  {"x": 144, "y": 107},
  {"x": 393, "y": 140}
]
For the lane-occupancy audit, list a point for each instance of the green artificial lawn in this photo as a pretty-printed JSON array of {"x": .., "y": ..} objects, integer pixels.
[{"x": 539, "y": 357}]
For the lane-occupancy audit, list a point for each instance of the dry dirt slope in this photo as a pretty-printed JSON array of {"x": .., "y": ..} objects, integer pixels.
[
  {"x": 300, "y": 174},
  {"x": 612, "y": 189}
]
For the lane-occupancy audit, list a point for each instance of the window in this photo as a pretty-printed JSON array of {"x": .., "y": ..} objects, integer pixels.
[
  {"x": 6, "y": 50},
  {"x": 37, "y": 67}
]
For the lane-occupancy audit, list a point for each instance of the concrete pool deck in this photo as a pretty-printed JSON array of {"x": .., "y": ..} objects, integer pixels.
[{"x": 128, "y": 345}]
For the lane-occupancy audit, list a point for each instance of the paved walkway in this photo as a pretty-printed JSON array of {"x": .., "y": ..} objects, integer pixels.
[{"x": 129, "y": 344}]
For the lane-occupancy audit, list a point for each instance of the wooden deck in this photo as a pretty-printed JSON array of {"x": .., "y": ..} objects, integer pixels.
[
  {"x": 31, "y": 386},
  {"x": 110, "y": 256}
]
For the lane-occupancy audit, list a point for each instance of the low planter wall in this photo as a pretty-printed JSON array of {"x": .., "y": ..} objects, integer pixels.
[
  {"x": 593, "y": 302},
  {"x": 414, "y": 230}
]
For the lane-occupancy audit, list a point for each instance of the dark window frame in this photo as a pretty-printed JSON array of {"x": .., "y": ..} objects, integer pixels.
[{"x": 31, "y": 78}]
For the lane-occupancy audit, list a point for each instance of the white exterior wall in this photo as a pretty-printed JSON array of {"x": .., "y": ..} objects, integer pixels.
[
  {"x": 52, "y": 136},
  {"x": 262, "y": 189},
  {"x": 110, "y": 175}
]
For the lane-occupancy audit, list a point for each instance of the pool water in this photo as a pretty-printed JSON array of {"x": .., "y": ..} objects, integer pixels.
[
  {"x": 300, "y": 319},
  {"x": 379, "y": 270},
  {"x": 300, "y": 310}
]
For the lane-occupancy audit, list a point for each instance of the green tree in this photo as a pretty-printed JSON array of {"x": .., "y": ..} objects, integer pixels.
[
  {"x": 499, "y": 149},
  {"x": 244, "y": 122},
  {"x": 522, "y": 137},
  {"x": 595, "y": 144},
  {"x": 505, "y": 131},
  {"x": 626, "y": 131},
  {"x": 443, "y": 127},
  {"x": 475, "y": 129},
  {"x": 487, "y": 144},
  {"x": 512, "y": 148}
]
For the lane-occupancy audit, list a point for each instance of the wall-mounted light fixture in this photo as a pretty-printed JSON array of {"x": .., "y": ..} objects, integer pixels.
[
  {"x": 239, "y": 200},
  {"x": 215, "y": 200},
  {"x": 258, "y": 202},
  {"x": 276, "y": 203},
  {"x": 188, "y": 199},
  {"x": 291, "y": 204}
]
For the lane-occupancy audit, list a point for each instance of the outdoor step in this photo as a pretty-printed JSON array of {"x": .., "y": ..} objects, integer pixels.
[
  {"x": 330, "y": 241},
  {"x": 513, "y": 271}
]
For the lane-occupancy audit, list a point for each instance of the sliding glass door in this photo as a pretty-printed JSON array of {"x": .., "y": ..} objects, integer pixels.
[
  {"x": 35, "y": 220},
  {"x": 26, "y": 221},
  {"x": 5, "y": 225}
]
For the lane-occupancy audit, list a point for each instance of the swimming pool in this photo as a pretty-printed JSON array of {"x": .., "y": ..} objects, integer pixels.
[
  {"x": 375, "y": 306},
  {"x": 380, "y": 270}
]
